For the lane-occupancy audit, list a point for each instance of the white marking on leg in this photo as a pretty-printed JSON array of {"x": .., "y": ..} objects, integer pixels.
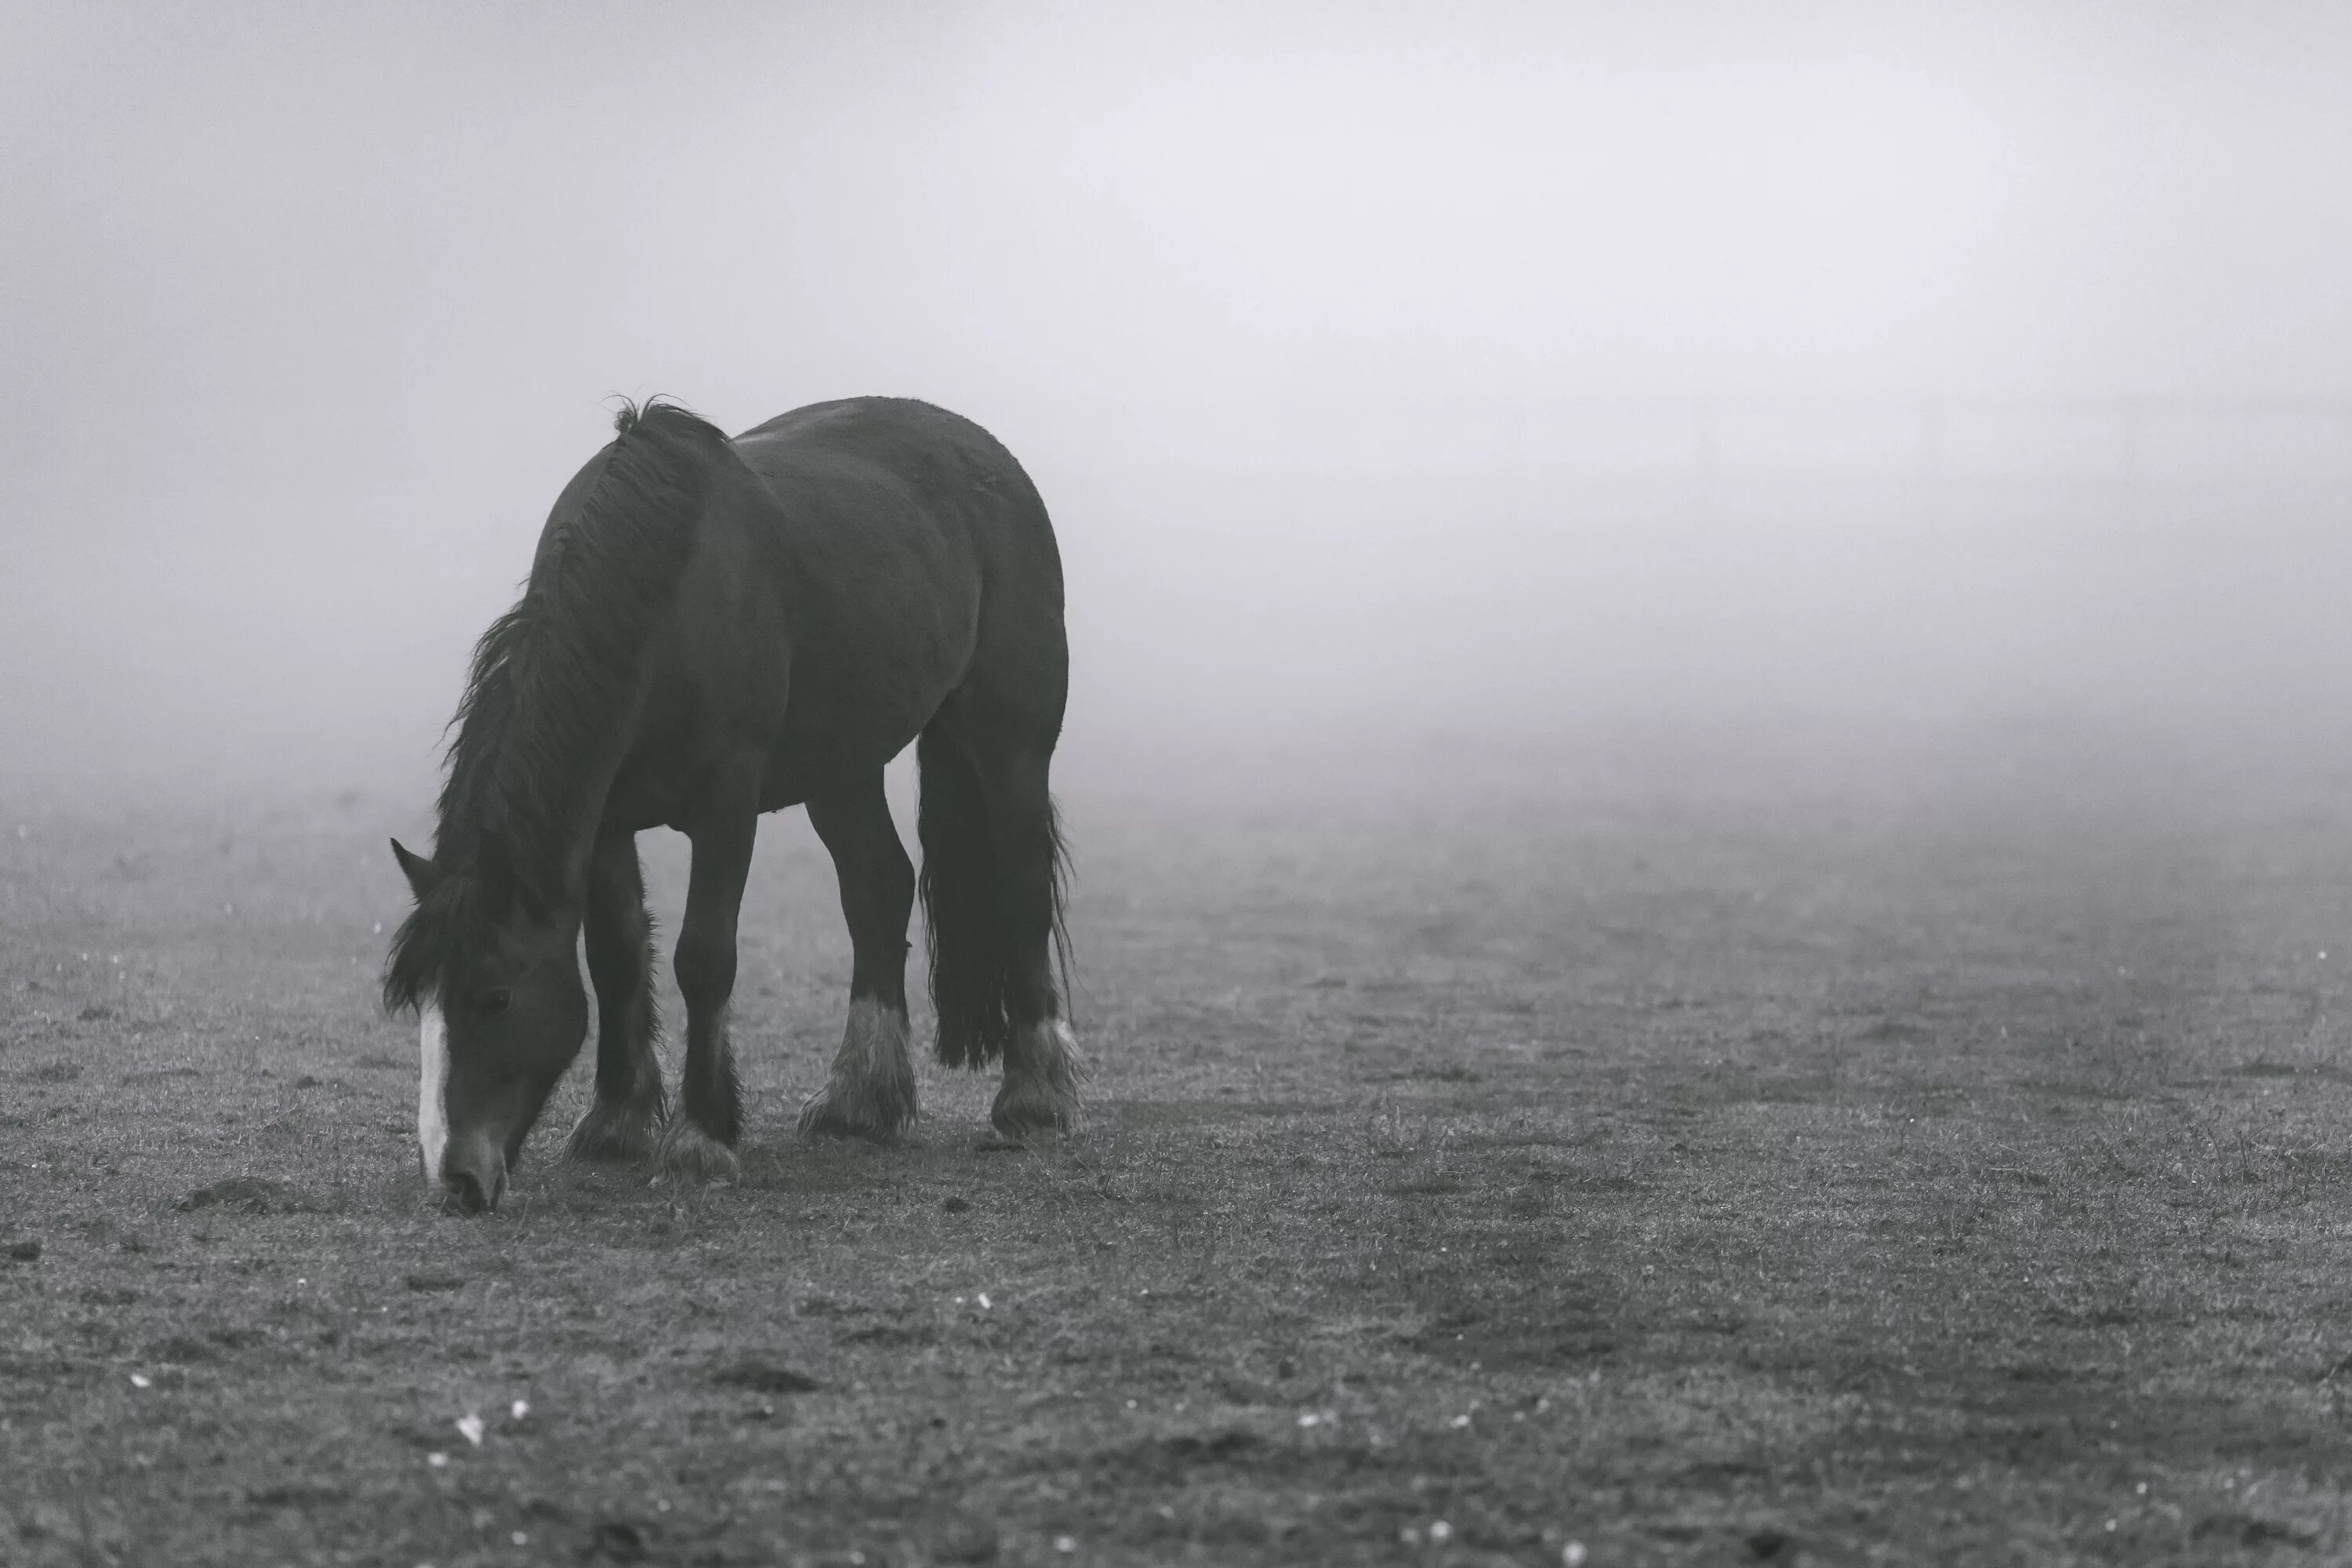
[
  {"x": 1050, "y": 1052},
  {"x": 870, "y": 1090},
  {"x": 1040, "y": 1092},
  {"x": 874, "y": 1050},
  {"x": 432, "y": 1088}
]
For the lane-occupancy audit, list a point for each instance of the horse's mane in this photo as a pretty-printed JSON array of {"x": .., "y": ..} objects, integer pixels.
[{"x": 549, "y": 680}]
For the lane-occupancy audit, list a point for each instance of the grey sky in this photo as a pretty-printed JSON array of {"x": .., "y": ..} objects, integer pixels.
[{"x": 310, "y": 310}]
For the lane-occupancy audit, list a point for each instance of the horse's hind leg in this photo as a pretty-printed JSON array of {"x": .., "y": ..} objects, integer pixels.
[
  {"x": 627, "y": 1114},
  {"x": 1040, "y": 1093},
  {"x": 870, "y": 1093}
]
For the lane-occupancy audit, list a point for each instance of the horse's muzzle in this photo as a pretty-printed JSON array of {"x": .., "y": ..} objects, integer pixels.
[{"x": 473, "y": 1177}]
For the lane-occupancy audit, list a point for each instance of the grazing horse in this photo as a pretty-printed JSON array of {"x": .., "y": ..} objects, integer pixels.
[{"x": 713, "y": 629}]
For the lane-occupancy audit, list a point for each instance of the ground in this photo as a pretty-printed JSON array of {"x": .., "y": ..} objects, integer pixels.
[{"x": 1833, "y": 1140}]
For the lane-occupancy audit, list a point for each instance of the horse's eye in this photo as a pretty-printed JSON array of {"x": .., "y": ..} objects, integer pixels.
[{"x": 494, "y": 1001}]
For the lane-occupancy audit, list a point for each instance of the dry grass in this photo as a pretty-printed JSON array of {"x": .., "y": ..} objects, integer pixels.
[{"x": 1926, "y": 1149}]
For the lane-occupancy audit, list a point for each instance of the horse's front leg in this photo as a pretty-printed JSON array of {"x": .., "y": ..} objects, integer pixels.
[
  {"x": 627, "y": 1115},
  {"x": 699, "y": 1144}
]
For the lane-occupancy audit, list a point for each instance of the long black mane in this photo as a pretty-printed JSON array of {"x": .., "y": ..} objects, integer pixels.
[{"x": 550, "y": 680}]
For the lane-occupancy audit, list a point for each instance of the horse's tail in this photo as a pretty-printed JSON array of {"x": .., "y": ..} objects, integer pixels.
[
  {"x": 963, "y": 906},
  {"x": 961, "y": 910}
]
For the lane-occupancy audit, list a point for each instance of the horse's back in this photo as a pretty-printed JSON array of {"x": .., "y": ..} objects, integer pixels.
[
  {"x": 831, "y": 463},
  {"x": 942, "y": 460},
  {"x": 921, "y": 564}
]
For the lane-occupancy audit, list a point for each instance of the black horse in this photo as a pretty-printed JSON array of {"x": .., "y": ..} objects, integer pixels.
[{"x": 713, "y": 629}]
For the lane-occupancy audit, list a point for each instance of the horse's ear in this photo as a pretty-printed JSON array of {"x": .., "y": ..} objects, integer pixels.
[{"x": 422, "y": 873}]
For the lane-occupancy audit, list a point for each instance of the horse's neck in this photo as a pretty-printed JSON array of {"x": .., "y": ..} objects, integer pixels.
[
  {"x": 581, "y": 829},
  {"x": 568, "y": 815}
]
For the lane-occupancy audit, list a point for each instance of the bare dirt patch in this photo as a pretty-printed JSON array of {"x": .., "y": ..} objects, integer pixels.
[{"x": 1865, "y": 1152}]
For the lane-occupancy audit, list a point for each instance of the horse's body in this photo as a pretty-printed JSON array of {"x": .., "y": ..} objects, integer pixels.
[{"x": 714, "y": 629}]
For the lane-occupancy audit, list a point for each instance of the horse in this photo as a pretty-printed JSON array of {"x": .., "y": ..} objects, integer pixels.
[{"x": 713, "y": 629}]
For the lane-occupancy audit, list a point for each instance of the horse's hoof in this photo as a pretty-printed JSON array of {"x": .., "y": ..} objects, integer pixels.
[
  {"x": 870, "y": 1092},
  {"x": 615, "y": 1132},
  {"x": 1039, "y": 1100},
  {"x": 1031, "y": 1112},
  {"x": 688, "y": 1154},
  {"x": 843, "y": 1111}
]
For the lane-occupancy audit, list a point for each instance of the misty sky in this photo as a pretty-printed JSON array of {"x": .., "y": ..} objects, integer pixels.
[{"x": 311, "y": 310}]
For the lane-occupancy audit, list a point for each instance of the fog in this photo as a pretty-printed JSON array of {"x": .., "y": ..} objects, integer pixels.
[{"x": 1396, "y": 376}]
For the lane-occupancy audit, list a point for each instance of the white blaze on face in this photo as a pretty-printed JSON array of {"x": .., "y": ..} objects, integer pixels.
[{"x": 432, "y": 1088}]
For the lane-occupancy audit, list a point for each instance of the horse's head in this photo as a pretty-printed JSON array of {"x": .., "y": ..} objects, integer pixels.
[{"x": 494, "y": 976}]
